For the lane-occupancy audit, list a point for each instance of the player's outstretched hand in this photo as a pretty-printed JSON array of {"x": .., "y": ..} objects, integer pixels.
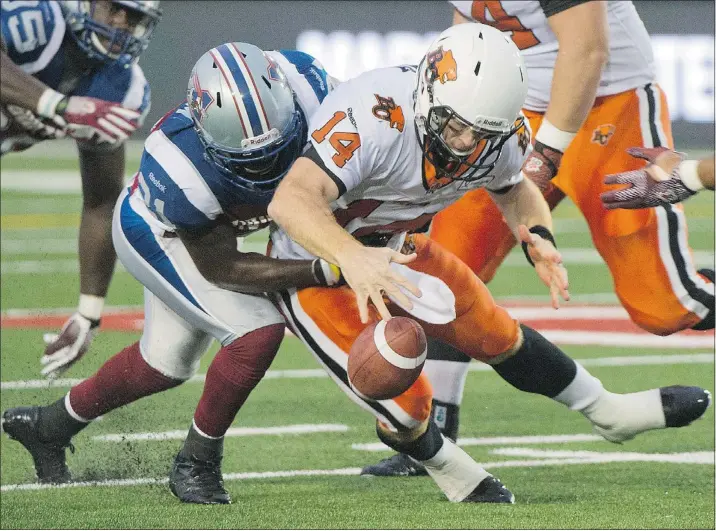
[
  {"x": 656, "y": 184},
  {"x": 548, "y": 264},
  {"x": 367, "y": 271},
  {"x": 67, "y": 347},
  {"x": 95, "y": 119}
]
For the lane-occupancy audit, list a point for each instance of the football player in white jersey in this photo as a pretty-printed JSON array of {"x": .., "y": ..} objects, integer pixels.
[
  {"x": 208, "y": 170},
  {"x": 70, "y": 68},
  {"x": 390, "y": 149},
  {"x": 591, "y": 95}
]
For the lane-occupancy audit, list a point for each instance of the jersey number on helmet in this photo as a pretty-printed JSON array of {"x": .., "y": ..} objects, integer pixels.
[{"x": 344, "y": 143}]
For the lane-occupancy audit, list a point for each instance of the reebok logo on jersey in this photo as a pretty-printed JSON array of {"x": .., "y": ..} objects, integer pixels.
[
  {"x": 387, "y": 110},
  {"x": 442, "y": 65},
  {"x": 156, "y": 182}
]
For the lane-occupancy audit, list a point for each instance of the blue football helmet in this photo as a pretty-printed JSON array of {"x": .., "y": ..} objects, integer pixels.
[
  {"x": 101, "y": 40},
  {"x": 247, "y": 118}
]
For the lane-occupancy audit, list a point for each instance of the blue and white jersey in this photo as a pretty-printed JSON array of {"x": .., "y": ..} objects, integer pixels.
[
  {"x": 176, "y": 187},
  {"x": 35, "y": 35}
]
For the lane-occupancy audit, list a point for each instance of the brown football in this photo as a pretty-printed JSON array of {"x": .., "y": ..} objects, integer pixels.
[{"x": 386, "y": 358}]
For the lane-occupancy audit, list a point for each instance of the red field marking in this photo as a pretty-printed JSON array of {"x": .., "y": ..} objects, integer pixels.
[
  {"x": 120, "y": 322},
  {"x": 133, "y": 320}
]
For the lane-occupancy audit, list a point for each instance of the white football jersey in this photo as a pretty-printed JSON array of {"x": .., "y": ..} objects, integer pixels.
[
  {"x": 365, "y": 137},
  {"x": 630, "y": 64}
]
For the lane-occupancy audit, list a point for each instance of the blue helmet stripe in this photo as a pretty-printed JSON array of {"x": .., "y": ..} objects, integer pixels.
[{"x": 248, "y": 102}]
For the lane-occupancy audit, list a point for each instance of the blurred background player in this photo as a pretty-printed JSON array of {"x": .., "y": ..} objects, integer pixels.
[
  {"x": 576, "y": 51},
  {"x": 208, "y": 170},
  {"x": 669, "y": 177},
  {"x": 70, "y": 68}
]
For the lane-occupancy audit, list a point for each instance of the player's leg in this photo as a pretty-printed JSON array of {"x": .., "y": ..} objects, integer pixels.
[
  {"x": 530, "y": 363},
  {"x": 472, "y": 229},
  {"x": 248, "y": 327},
  {"x": 327, "y": 321},
  {"x": 164, "y": 358},
  {"x": 648, "y": 244},
  {"x": 179, "y": 325}
]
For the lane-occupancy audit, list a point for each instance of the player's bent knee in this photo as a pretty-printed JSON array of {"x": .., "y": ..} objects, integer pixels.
[
  {"x": 179, "y": 361},
  {"x": 659, "y": 325}
]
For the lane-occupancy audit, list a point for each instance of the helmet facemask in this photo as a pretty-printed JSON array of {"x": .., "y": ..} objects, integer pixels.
[
  {"x": 101, "y": 40},
  {"x": 458, "y": 149},
  {"x": 257, "y": 172}
]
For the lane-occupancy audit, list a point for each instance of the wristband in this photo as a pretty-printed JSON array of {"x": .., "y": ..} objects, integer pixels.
[
  {"x": 689, "y": 173},
  {"x": 325, "y": 273},
  {"x": 542, "y": 231},
  {"x": 554, "y": 137},
  {"x": 48, "y": 103},
  {"x": 90, "y": 307}
]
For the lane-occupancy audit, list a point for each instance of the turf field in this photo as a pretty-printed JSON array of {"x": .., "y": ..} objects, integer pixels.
[{"x": 294, "y": 452}]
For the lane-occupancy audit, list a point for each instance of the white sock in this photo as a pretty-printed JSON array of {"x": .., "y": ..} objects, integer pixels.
[
  {"x": 583, "y": 391},
  {"x": 617, "y": 417},
  {"x": 455, "y": 472},
  {"x": 447, "y": 379}
]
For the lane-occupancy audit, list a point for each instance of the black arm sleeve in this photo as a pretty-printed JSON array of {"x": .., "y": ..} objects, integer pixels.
[
  {"x": 313, "y": 155},
  {"x": 552, "y": 7}
]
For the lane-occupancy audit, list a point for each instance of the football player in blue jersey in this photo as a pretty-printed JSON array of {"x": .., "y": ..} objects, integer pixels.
[
  {"x": 70, "y": 68},
  {"x": 208, "y": 171}
]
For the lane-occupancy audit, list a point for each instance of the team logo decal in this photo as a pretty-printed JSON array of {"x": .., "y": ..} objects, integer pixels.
[
  {"x": 201, "y": 100},
  {"x": 272, "y": 69},
  {"x": 442, "y": 65},
  {"x": 603, "y": 133},
  {"x": 387, "y": 110}
]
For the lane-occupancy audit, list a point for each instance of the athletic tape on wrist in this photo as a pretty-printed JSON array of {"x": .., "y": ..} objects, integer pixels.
[
  {"x": 542, "y": 231},
  {"x": 554, "y": 137},
  {"x": 48, "y": 102},
  {"x": 90, "y": 307},
  {"x": 689, "y": 173}
]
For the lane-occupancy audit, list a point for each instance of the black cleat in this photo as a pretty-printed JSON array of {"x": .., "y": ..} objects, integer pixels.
[
  {"x": 490, "y": 490},
  {"x": 395, "y": 465},
  {"x": 195, "y": 481},
  {"x": 683, "y": 405},
  {"x": 21, "y": 424}
]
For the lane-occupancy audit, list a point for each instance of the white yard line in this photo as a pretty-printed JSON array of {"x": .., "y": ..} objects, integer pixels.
[
  {"x": 697, "y": 458},
  {"x": 613, "y": 457},
  {"x": 624, "y": 339},
  {"x": 294, "y": 429},
  {"x": 617, "y": 361}
]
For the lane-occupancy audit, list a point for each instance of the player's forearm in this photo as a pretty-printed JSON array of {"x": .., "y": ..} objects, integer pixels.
[
  {"x": 524, "y": 205},
  {"x": 18, "y": 87},
  {"x": 256, "y": 273},
  {"x": 583, "y": 35},
  {"x": 577, "y": 72}
]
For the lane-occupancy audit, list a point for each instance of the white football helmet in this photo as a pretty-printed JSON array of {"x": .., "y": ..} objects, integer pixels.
[{"x": 472, "y": 80}]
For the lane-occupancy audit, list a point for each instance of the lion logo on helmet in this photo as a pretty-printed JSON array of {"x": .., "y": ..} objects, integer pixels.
[{"x": 442, "y": 65}]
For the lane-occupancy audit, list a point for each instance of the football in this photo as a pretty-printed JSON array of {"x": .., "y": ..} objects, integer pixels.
[{"x": 386, "y": 358}]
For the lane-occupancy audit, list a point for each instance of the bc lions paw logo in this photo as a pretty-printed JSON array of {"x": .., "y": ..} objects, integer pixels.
[
  {"x": 603, "y": 133},
  {"x": 387, "y": 110},
  {"x": 442, "y": 65}
]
